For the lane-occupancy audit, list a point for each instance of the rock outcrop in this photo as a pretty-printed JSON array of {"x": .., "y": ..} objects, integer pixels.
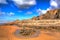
[{"x": 51, "y": 14}]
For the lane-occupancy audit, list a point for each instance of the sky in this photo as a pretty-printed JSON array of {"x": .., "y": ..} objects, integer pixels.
[{"x": 11, "y": 10}]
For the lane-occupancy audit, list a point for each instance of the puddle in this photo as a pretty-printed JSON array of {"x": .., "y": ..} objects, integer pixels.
[{"x": 27, "y": 33}]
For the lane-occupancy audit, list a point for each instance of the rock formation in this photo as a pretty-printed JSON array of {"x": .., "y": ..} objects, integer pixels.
[{"x": 51, "y": 14}]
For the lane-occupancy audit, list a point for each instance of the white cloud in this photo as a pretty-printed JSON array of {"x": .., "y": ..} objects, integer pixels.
[
  {"x": 53, "y": 3},
  {"x": 2, "y": 13},
  {"x": 29, "y": 12},
  {"x": 40, "y": 11},
  {"x": 11, "y": 14},
  {"x": 43, "y": 11},
  {"x": 24, "y": 3},
  {"x": 6, "y": 13},
  {"x": 48, "y": 9},
  {"x": 3, "y": 2}
]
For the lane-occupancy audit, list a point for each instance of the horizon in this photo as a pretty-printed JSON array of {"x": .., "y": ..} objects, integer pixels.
[{"x": 11, "y": 10}]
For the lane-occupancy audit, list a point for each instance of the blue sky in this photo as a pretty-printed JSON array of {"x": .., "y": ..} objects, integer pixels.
[{"x": 25, "y": 9}]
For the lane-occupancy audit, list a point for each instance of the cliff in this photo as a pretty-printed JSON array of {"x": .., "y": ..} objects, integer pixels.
[{"x": 51, "y": 14}]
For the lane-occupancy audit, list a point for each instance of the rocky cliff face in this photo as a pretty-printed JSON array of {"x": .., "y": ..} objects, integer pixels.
[{"x": 51, "y": 14}]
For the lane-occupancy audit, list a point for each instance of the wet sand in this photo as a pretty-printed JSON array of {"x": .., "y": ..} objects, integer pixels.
[{"x": 7, "y": 33}]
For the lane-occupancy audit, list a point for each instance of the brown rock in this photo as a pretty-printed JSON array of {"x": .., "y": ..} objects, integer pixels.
[{"x": 51, "y": 14}]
